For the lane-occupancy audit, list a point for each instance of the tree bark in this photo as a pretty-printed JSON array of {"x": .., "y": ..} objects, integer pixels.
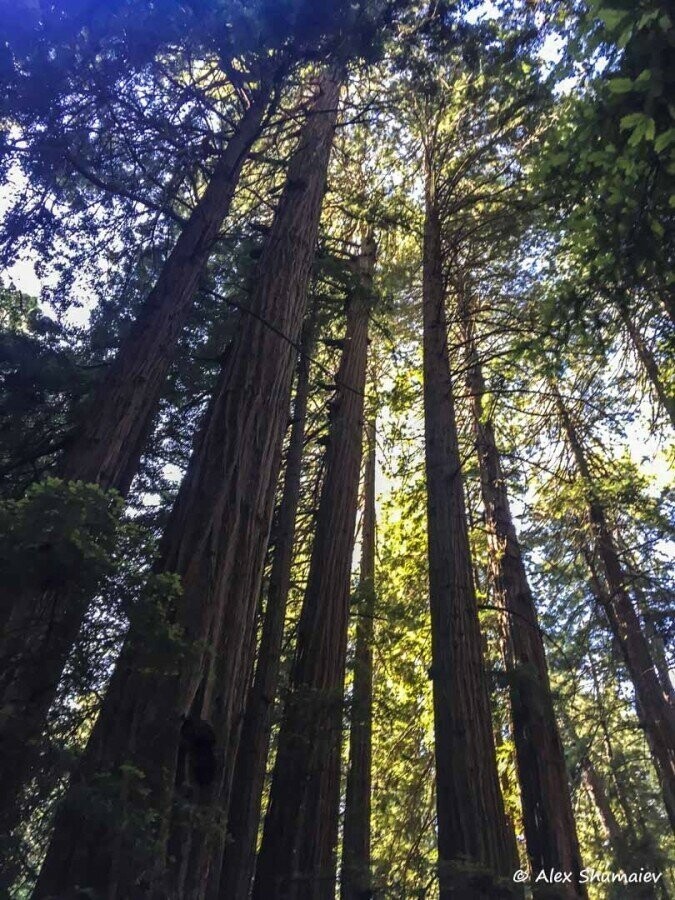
[
  {"x": 42, "y": 627},
  {"x": 646, "y": 357},
  {"x": 298, "y": 853},
  {"x": 655, "y": 700},
  {"x": 475, "y": 858},
  {"x": 148, "y": 745},
  {"x": 356, "y": 875},
  {"x": 548, "y": 818},
  {"x": 251, "y": 765}
]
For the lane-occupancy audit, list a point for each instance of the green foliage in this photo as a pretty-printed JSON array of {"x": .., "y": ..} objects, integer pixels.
[{"x": 57, "y": 532}]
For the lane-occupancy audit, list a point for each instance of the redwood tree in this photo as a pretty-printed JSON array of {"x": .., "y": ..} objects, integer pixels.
[
  {"x": 298, "y": 852},
  {"x": 249, "y": 772},
  {"x": 356, "y": 875},
  {"x": 547, "y": 808},
  {"x": 655, "y": 701},
  {"x": 42, "y": 625},
  {"x": 148, "y": 736},
  {"x": 475, "y": 854}
]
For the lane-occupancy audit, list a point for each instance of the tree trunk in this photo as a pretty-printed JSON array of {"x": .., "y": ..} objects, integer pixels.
[
  {"x": 646, "y": 357},
  {"x": 298, "y": 853},
  {"x": 147, "y": 739},
  {"x": 42, "y": 628},
  {"x": 356, "y": 876},
  {"x": 596, "y": 790},
  {"x": 547, "y": 807},
  {"x": 656, "y": 701},
  {"x": 623, "y": 840},
  {"x": 249, "y": 772},
  {"x": 473, "y": 845},
  {"x": 656, "y": 642}
]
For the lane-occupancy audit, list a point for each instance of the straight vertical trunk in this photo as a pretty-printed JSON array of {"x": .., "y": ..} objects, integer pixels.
[
  {"x": 473, "y": 845},
  {"x": 42, "y": 627},
  {"x": 249, "y": 772},
  {"x": 298, "y": 853},
  {"x": 646, "y": 357},
  {"x": 547, "y": 807},
  {"x": 147, "y": 743},
  {"x": 655, "y": 700},
  {"x": 356, "y": 834}
]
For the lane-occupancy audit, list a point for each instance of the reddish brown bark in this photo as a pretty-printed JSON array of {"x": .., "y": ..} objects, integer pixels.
[
  {"x": 655, "y": 701},
  {"x": 298, "y": 853},
  {"x": 475, "y": 857},
  {"x": 41, "y": 628},
  {"x": 547, "y": 806},
  {"x": 148, "y": 739},
  {"x": 249, "y": 772},
  {"x": 356, "y": 875}
]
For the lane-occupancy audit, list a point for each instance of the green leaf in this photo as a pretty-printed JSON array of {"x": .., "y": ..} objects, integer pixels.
[
  {"x": 647, "y": 18},
  {"x": 612, "y": 18},
  {"x": 657, "y": 227},
  {"x": 643, "y": 126},
  {"x": 620, "y": 85},
  {"x": 664, "y": 140},
  {"x": 632, "y": 120},
  {"x": 641, "y": 83}
]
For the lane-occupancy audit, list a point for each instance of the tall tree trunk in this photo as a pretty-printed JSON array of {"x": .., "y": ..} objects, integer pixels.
[
  {"x": 356, "y": 875},
  {"x": 656, "y": 701},
  {"x": 146, "y": 742},
  {"x": 596, "y": 790},
  {"x": 547, "y": 806},
  {"x": 625, "y": 858},
  {"x": 472, "y": 828},
  {"x": 42, "y": 627},
  {"x": 298, "y": 853},
  {"x": 623, "y": 840},
  {"x": 656, "y": 641},
  {"x": 249, "y": 771},
  {"x": 646, "y": 357}
]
